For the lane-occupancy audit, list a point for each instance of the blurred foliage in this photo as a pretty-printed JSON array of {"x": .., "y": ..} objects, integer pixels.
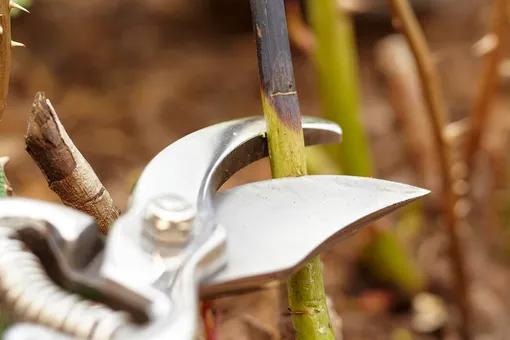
[
  {"x": 387, "y": 260},
  {"x": 337, "y": 69}
]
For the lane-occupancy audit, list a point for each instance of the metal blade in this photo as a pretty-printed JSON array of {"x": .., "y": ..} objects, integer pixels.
[
  {"x": 196, "y": 165},
  {"x": 193, "y": 168},
  {"x": 275, "y": 226}
]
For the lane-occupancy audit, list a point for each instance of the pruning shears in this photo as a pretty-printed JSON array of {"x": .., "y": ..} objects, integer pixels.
[{"x": 180, "y": 240}]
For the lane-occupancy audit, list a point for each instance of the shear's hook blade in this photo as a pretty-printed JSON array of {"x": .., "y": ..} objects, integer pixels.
[
  {"x": 195, "y": 166},
  {"x": 275, "y": 226}
]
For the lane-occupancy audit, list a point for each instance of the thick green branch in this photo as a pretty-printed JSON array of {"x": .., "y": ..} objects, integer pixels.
[
  {"x": 335, "y": 57},
  {"x": 307, "y": 300},
  {"x": 335, "y": 60}
]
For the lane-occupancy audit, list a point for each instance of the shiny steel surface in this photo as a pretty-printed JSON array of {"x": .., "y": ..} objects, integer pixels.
[
  {"x": 168, "y": 220},
  {"x": 194, "y": 168},
  {"x": 239, "y": 239},
  {"x": 30, "y": 295},
  {"x": 28, "y": 331},
  {"x": 275, "y": 226},
  {"x": 196, "y": 165}
]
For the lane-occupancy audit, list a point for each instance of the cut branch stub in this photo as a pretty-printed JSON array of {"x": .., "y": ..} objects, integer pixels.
[{"x": 68, "y": 173}]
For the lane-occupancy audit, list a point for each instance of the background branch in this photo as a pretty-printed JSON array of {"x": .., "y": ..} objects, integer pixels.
[
  {"x": 68, "y": 173},
  {"x": 488, "y": 81},
  {"x": 406, "y": 21},
  {"x": 396, "y": 63}
]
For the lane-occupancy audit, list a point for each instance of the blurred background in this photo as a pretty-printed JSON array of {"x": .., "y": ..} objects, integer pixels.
[{"x": 129, "y": 77}]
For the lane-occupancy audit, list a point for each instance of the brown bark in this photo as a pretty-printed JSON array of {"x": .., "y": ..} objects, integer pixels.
[
  {"x": 5, "y": 53},
  {"x": 68, "y": 173}
]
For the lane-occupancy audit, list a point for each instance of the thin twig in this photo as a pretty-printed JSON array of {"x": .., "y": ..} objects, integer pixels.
[
  {"x": 257, "y": 330},
  {"x": 300, "y": 34},
  {"x": 287, "y": 157},
  {"x": 488, "y": 82},
  {"x": 209, "y": 320},
  {"x": 406, "y": 21},
  {"x": 68, "y": 174}
]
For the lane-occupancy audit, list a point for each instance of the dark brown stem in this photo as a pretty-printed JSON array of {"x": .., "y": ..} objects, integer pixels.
[
  {"x": 406, "y": 21},
  {"x": 68, "y": 173},
  {"x": 306, "y": 297},
  {"x": 275, "y": 68}
]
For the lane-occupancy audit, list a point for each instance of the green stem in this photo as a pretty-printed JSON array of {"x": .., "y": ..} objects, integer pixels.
[
  {"x": 335, "y": 59},
  {"x": 307, "y": 299}
]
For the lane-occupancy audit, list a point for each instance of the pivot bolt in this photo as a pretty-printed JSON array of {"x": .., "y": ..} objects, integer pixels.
[{"x": 168, "y": 220}]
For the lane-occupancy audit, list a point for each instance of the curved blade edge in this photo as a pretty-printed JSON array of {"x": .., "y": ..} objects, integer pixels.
[{"x": 275, "y": 226}]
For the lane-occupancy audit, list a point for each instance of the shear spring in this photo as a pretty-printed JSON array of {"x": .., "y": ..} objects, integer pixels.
[{"x": 27, "y": 294}]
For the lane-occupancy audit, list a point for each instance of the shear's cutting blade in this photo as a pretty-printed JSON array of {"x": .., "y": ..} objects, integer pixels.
[{"x": 275, "y": 226}]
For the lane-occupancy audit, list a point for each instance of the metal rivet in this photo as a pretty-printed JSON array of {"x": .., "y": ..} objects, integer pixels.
[{"x": 168, "y": 219}]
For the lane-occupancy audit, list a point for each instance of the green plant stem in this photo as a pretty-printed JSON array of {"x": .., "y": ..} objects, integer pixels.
[
  {"x": 337, "y": 70},
  {"x": 335, "y": 60},
  {"x": 307, "y": 299},
  {"x": 319, "y": 161}
]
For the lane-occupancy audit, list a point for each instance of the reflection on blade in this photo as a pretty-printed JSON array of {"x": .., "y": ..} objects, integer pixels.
[{"x": 275, "y": 226}]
